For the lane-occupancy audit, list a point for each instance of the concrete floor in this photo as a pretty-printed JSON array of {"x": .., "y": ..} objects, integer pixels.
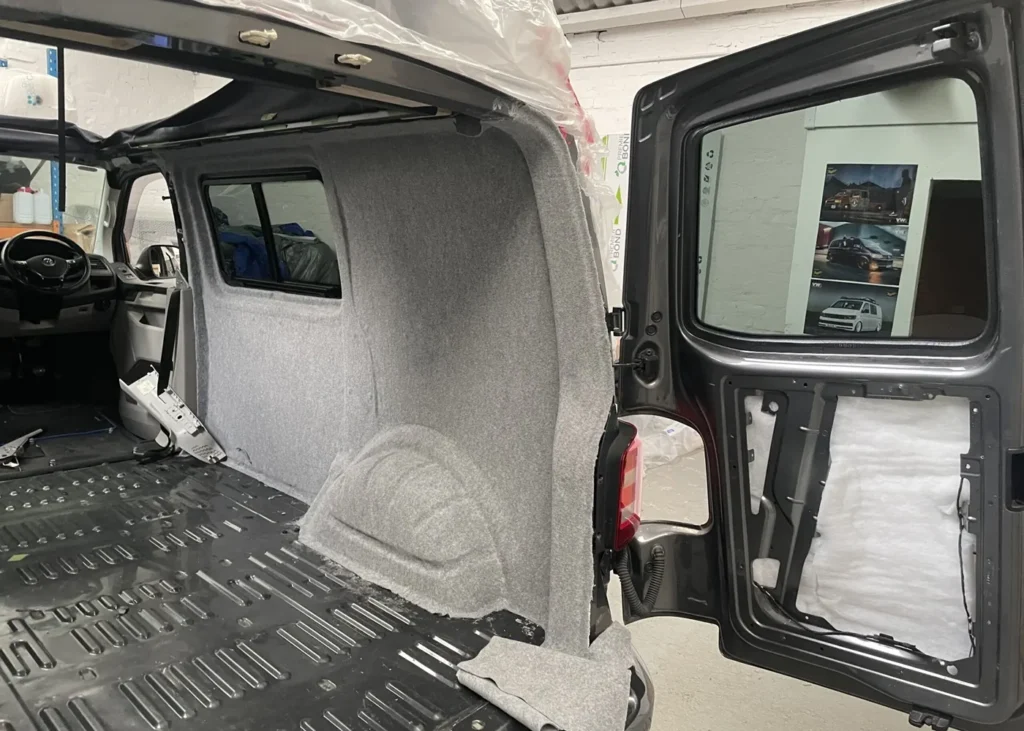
[{"x": 696, "y": 689}]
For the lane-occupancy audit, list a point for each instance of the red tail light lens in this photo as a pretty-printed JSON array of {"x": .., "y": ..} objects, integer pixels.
[{"x": 630, "y": 484}]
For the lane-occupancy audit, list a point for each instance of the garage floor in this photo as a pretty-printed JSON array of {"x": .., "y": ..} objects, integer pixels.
[{"x": 696, "y": 689}]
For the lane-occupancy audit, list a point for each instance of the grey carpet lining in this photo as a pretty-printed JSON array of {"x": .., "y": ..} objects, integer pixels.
[
  {"x": 443, "y": 417},
  {"x": 557, "y": 690}
]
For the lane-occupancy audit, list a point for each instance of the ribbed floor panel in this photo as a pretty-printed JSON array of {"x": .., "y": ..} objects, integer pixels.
[{"x": 174, "y": 596}]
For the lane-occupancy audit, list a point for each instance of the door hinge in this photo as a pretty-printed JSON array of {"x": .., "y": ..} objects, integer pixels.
[
  {"x": 953, "y": 41},
  {"x": 920, "y": 718},
  {"x": 616, "y": 321},
  {"x": 644, "y": 364}
]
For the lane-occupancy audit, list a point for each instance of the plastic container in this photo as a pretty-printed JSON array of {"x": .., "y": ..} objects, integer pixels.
[
  {"x": 24, "y": 209},
  {"x": 42, "y": 207},
  {"x": 33, "y": 95}
]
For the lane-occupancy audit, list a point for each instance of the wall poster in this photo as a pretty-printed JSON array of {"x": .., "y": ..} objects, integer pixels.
[{"x": 860, "y": 247}]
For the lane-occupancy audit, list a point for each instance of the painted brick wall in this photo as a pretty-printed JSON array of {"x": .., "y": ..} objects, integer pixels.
[
  {"x": 761, "y": 165},
  {"x": 609, "y": 67},
  {"x": 751, "y": 254},
  {"x": 110, "y": 93}
]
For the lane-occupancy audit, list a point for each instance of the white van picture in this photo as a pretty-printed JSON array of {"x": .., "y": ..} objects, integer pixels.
[{"x": 856, "y": 314}]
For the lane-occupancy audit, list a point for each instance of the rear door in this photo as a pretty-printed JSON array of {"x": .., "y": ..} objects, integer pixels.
[{"x": 865, "y": 482}]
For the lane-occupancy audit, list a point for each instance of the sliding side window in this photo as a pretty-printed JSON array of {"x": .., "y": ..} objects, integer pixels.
[{"x": 275, "y": 233}]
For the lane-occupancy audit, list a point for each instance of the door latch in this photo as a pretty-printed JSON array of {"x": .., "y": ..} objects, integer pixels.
[{"x": 645, "y": 363}]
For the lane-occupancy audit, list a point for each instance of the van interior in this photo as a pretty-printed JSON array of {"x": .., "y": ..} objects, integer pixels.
[{"x": 367, "y": 483}]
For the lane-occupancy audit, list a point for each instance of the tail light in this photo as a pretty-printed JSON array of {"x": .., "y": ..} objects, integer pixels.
[{"x": 630, "y": 484}]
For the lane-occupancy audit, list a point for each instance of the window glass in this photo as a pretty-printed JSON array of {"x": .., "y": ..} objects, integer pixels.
[
  {"x": 871, "y": 205},
  {"x": 240, "y": 245},
  {"x": 301, "y": 205},
  {"x": 149, "y": 217},
  {"x": 294, "y": 243},
  {"x": 85, "y": 190}
]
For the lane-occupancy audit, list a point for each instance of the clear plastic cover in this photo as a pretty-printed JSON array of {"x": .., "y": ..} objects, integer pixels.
[{"x": 514, "y": 46}]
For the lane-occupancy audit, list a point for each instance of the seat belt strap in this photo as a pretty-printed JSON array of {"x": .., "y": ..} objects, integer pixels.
[{"x": 170, "y": 340}]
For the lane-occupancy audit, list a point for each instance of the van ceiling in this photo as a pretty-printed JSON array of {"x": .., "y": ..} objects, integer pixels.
[
  {"x": 244, "y": 106},
  {"x": 240, "y": 107}
]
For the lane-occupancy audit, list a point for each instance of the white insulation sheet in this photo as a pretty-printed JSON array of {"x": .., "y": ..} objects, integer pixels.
[{"x": 885, "y": 559}]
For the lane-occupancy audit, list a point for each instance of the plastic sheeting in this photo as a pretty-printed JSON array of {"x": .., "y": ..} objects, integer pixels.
[
  {"x": 664, "y": 440},
  {"x": 514, "y": 46}
]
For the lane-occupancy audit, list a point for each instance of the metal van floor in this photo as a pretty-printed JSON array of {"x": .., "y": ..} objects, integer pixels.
[{"x": 174, "y": 595}]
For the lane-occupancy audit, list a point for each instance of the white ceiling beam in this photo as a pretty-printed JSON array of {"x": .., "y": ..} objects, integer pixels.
[{"x": 659, "y": 11}]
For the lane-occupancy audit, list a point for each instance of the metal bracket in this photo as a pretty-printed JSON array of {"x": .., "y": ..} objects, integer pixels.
[
  {"x": 616, "y": 321},
  {"x": 953, "y": 41},
  {"x": 183, "y": 428},
  {"x": 919, "y": 718},
  {"x": 9, "y": 452}
]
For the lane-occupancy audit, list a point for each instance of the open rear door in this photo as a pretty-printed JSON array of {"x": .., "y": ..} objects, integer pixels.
[{"x": 825, "y": 278}]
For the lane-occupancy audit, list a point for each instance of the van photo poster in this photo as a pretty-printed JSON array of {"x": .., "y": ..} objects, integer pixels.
[{"x": 858, "y": 254}]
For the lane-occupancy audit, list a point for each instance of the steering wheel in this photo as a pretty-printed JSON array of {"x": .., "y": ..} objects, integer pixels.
[{"x": 62, "y": 270}]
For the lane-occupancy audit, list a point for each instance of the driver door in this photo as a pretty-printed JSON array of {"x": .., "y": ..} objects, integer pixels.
[
  {"x": 148, "y": 263},
  {"x": 866, "y": 486}
]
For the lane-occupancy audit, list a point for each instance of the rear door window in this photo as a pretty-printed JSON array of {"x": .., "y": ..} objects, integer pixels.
[{"x": 275, "y": 233}]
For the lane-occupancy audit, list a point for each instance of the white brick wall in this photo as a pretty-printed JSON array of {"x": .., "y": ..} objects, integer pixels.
[
  {"x": 110, "y": 93},
  {"x": 206, "y": 85},
  {"x": 755, "y": 219},
  {"x": 609, "y": 67},
  {"x": 754, "y": 223}
]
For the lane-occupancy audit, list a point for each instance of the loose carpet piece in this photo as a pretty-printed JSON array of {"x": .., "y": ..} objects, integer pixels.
[
  {"x": 545, "y": 689},
  {"x": 885, "y": 558}
]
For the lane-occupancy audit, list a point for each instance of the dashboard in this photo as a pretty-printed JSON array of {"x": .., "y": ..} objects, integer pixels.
[{"x": 89, "y": 308}]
